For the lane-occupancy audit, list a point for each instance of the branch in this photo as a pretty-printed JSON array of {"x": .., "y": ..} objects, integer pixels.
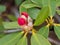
[{"x": 54, "y": 41}]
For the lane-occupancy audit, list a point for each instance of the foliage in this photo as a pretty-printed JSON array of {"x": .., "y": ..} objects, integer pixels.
[
  {"x": 41, "y": 11},
  {"x": 2, "y": 8}
]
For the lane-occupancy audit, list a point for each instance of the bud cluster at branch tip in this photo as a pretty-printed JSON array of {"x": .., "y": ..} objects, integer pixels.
[{"x": 24, "y": 21}]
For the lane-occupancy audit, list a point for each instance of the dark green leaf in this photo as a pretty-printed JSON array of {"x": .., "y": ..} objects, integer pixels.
[
  {"x": 33, "y": 12},
  {"x": 22, "y": 9},
  {"x": 50, "y": 3},
  {"x": 28, "y": 5},
  {"x": 44, "y": 31},
  {"x": 2, "y": 8},
  {"x": 29, "y": 1},
  {"x": 37, "y": 2},
  {"x": 18, "y": 2},
  {"x": 22, "y": 41},
  {"x": 10, "y": 25},
  {"x": 1, "y": 25},
  {"x": 10, "y": 39},
  {"x": 2, "y": 35},
  {"x": 37, "y": 39},
  {"x": 12, "y": 17},
  {"x": 57, "y": 31},
  {"x": 42, "y": 15}
]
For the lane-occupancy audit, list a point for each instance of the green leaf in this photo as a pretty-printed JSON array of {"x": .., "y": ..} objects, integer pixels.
[
  {"x": 57, "y": 31},
  {"x": 2, "y": 8},
  {"x": 12, "y": 17},
  {"x": 2, "y": 35},
  {"x": 37, "y": 39},
  {"x": 44, "y": 31},
  {"x": 10, "y": 25},
  {"x": 50, "y": 3},
  {"x": 10, "y": 39},
  {"x": 52, "y": 7},
  {"x": 58, "y": 11},
  {"x": 29, "y": 1},
  {"x": 33, "y": 12},
  {"x": 37, "y": 2},
  {"x": 22, "y": 9},
  {"x": 18, "y": 2},
  {"x": 58, "y": 2},
  {"x": 27, "y": 5},
  {"x": 1, "y": 25},
  {"x": 22, "y": 41},
  {"x": 42, "y": 15}
]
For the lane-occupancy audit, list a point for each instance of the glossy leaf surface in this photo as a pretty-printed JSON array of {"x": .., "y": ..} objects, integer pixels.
[
  {"x": 42, "y": 15},
  {"x": 37, "y": 39}
]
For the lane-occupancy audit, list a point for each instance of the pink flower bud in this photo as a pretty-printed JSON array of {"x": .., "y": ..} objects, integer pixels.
[
  {"x": 21, "y": 21},
  {"x": 25, "y": 14}
]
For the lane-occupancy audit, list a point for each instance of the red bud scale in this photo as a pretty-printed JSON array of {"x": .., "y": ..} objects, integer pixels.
[
  {"x": 21, "y": 20},
  {"x": 25, "y": 14}
]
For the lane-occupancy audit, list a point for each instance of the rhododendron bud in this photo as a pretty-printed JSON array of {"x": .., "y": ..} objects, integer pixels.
[
  {"x": 25, "y": 21},
  {"x": 25, "y": 14},
  {"x": 21, "y": 21}
]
